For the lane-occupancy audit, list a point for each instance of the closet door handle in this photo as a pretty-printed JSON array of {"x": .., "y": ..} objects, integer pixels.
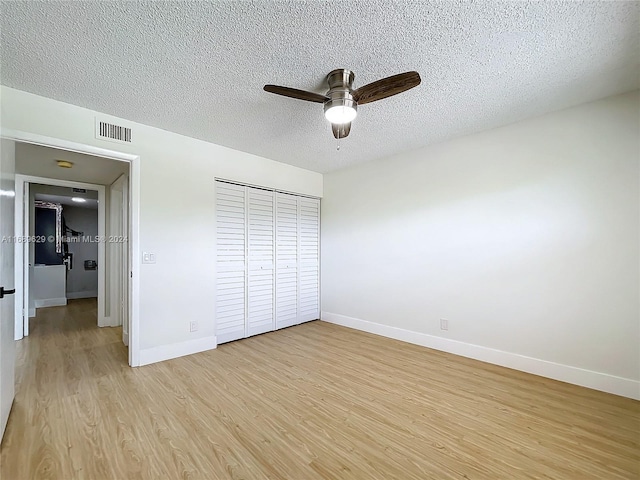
[{"x": 4, "y": 292}]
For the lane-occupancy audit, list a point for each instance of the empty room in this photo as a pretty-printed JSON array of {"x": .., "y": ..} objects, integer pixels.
[{"x": 310, "y": 240}]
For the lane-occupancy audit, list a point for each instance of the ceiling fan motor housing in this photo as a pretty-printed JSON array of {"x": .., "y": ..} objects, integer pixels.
[{"x": 339, "y": 93}]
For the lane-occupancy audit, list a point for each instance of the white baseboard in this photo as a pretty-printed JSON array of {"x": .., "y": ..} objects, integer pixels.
[
  {"x": 108, "y": 322},
  {"x": 50, "y": 302},
  {"x": 76, "y": 295},
  {"x": 32, "y": 312},
  {"x": 578, "y": 376},
  {"x": 175, "y": 350}
]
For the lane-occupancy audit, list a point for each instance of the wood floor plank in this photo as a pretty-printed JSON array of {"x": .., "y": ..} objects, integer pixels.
[{"x": 312, "y": 402}]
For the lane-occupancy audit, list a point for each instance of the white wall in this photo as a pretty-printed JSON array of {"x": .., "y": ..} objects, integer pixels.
[
  {"x": 82, "y": 283},
  {"x": 48, "y": 283},
  {"x": 525, "y": 238},
  {"x": 176, "y": 210}
]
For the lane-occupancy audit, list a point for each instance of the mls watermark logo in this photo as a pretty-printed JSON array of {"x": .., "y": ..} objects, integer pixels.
[{"x": 75, "y": 239}]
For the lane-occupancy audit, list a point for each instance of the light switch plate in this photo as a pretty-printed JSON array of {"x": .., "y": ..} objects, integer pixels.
[{"x": 148, "y": 257}]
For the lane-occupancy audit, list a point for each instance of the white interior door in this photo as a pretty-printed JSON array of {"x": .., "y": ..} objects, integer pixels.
[
  {"x": 260, "y": 265},
  {"x": 286, "y": 260},
  {"x": 231, "y": 251},
  {"x": 309, "y": 255},
  {"x": 7, "y": 277},
  {"x": 118, "y": 247}
]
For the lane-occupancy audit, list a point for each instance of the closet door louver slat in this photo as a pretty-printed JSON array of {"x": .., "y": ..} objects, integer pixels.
[
  {"x": 309, "y": 254},
  {"x": 261, "y": 253},
  {"x": 286, "y": 260},
  {"x": 230, "y": 262}
]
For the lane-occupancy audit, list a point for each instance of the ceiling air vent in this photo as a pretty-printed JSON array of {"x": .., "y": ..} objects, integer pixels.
[{"x": 113, "y": 132}]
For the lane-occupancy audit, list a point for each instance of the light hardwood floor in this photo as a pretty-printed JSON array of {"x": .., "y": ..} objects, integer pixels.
[{"x": 315, "y": 401}]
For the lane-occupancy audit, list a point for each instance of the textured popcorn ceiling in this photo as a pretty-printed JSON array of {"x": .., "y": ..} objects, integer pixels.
[{"x": 198, "y": 68}]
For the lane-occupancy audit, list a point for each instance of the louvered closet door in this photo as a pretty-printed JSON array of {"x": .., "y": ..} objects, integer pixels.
[
  {"x": 230, "y": 262},
  {"x": 286, "y": 260},
  {"x": 309, "y": 255},
  {"x": 261, "y": 253}
]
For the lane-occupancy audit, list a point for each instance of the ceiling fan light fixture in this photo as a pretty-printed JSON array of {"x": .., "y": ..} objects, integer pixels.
[
  {"x": 340, "y": 110},
  {"x": 341, "y": 100}
]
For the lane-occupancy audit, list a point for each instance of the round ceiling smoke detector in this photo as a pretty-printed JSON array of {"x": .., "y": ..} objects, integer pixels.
[{"x": 64, "y": 163}]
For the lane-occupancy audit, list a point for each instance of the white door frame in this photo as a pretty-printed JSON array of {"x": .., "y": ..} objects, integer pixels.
[
  {"x": 134, "y": 216},
  {"x": 22, "y": 230}
]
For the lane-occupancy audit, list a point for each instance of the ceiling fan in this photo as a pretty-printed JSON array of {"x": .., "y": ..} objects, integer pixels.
[{"x": 341, "y": 101}]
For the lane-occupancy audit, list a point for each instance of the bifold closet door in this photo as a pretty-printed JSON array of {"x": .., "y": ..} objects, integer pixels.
[
  {"x": 231, "y": 245},
  {"x": 309, "y": 255},
  {"x": 261, "y": 261},
  {"x": 286, "y": 260},
  {"x": 267, "y": 260}
]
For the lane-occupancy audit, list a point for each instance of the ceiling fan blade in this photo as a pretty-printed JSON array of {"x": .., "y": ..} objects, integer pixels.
[
  {"x": 295, "y": 93},
  {"x": 341, "y": 130},
  {"x": 386, "y": 87}
]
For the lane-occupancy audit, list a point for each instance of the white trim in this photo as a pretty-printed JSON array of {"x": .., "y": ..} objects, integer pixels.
[
  {"x": 134, "y": 228},
  {"x": 625, "y": 387},
  {"x": 35, "y": 139},
  {"x": 109, "y": 322},
  {"x": 51, "y": 302},
  {"x": 87, "y": 294},
  {"x": 134, "y": 262},
  {"x": 262, "y": 187},
  {"x": 214, "y": 246},
  {"x": 21, "y": 274},
  {"x": 175, "y": 350}
]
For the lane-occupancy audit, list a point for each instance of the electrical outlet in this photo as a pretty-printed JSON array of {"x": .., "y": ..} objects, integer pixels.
[
  {"x": 444, "y": 324},
  {"x": 193, "y": 327}
]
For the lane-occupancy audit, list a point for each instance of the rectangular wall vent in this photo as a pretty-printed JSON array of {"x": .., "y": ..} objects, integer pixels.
[{"x": 110, "y": 131}]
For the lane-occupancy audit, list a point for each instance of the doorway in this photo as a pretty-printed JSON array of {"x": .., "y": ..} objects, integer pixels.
[
  {"x": 63, "y": 259},
  {"x": 45, "y": 278},
  {"x": 129, "y": 284}
]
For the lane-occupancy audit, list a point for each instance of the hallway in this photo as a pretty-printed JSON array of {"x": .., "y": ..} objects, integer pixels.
[{"x": 68, "y": 336}]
